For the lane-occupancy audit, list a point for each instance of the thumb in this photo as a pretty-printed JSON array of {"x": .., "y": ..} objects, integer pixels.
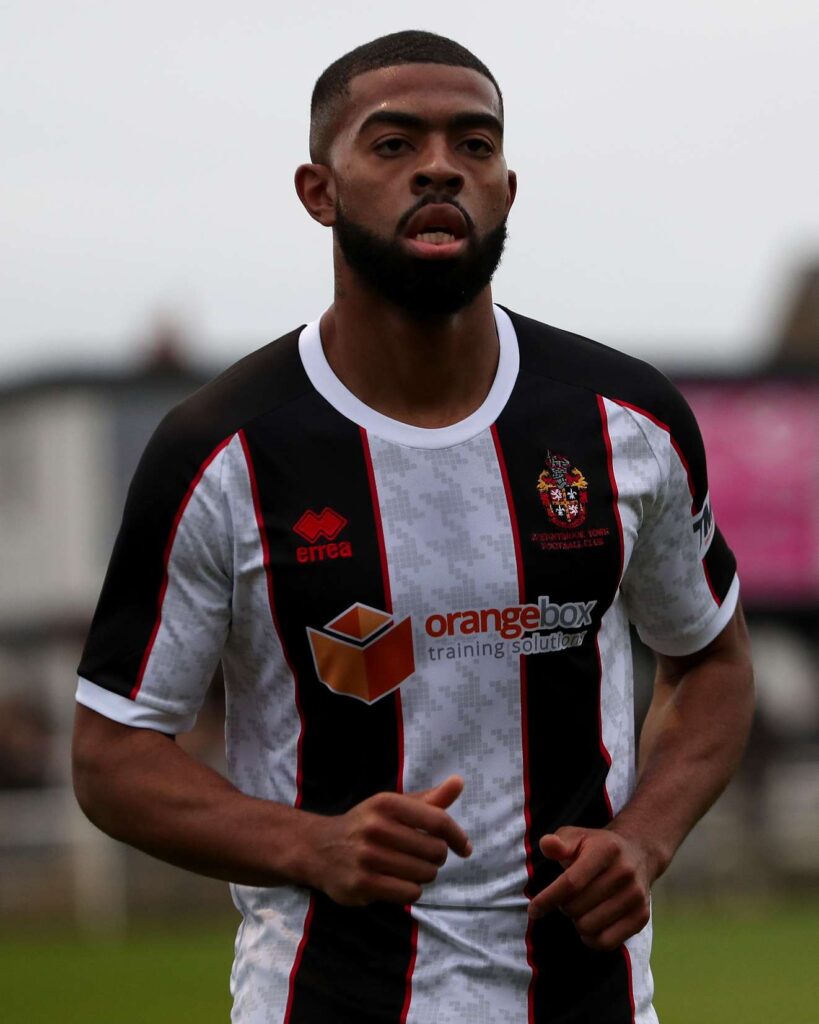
[
  {"x": 563, "y": 846},
  {"x": 444, "y": 794}
]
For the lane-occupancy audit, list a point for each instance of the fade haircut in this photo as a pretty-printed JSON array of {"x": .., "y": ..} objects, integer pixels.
[{"x": 409, "y": 47}]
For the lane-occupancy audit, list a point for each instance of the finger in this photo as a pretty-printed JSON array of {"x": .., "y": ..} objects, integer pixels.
[
  {"x": 614, "y": 936},
  {"x": 609, "y": 912},
  {"x": 589, "y": 864},
  {"x": 608, "y": 885},
  {"x": 563, "y": 845},
  {"x": 399, "y": 865},
  {"x": 444, "y": 794},
  {"x": 407, "y": 840},
  {"x": 387, "y": 889},
  {"x": 436, "y": 822}
]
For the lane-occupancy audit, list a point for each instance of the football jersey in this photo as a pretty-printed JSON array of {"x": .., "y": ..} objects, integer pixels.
[{"x": 394, "y": 604}]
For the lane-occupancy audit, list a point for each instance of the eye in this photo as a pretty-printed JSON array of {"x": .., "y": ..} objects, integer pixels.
[
  {"x": 478, "y": 146},
  {"x": 393, "y": 146}
]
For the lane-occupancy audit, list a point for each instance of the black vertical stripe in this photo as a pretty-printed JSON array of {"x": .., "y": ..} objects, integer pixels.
[
  {"x": 720, "y": 566},
  {"x": 566, "y": 766},
  {"x": 355, "y": 960}
]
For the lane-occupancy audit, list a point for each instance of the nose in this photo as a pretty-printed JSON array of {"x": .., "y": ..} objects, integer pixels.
[{"x": 437, "y": 170}]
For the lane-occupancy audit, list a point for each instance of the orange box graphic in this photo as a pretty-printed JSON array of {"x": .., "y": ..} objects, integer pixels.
[{"x": 363, "y": 655}]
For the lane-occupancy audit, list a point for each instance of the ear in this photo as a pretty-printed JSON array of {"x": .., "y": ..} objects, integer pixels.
[
  {"x": 316, "y": 188},
  {"x": 513, "y": 189}
]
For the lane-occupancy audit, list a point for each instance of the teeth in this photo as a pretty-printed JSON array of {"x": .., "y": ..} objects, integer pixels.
[{"x": 435, "y": 237}]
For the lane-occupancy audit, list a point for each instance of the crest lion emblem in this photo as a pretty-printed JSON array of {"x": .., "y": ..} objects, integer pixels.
[{"x": 563, "y": 490}]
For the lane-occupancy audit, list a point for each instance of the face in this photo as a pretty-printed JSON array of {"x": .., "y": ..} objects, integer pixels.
[{"x": 421, "y": 187}]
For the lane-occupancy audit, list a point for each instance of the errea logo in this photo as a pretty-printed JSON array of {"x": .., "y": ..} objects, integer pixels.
[{"x": 312, "y": 527}]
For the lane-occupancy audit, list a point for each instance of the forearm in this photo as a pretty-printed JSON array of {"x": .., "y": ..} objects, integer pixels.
[
  {"x": 149, "y": 793},
  {"x": 140, "y": 787},
  {"x": 691, "y": 744}
]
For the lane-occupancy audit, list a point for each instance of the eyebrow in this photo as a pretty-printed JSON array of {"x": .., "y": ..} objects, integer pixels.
[{"x": 467, "y": 119}]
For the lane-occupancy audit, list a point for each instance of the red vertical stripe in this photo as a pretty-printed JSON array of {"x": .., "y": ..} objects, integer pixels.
[
  {"x": 615, "y": 494},
  {"x": 616, "y": 506},
  {"x": 257, "y": 508},
  {"x": 399, "y": 711},
  {"x": 385, "y": 576},
  {"x": 410, "y": 970},
  {"x": 714, "y": 594},
  {"x": 604, "y": 426},
  {"x": 627, "y": 958},
  {"x": 603, "y": 749},
  {"x": 294, "y": 970},
  {"x": 166, "y": 560},
  {"x": 524, "y": 716},
  {"x": 379, "y": 530}
]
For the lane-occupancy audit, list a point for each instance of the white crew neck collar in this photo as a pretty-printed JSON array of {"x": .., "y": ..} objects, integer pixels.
[{"x": 344, "y": 401}]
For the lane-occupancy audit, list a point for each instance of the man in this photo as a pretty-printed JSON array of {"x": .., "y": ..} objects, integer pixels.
[{"x": 415, "y": 531}]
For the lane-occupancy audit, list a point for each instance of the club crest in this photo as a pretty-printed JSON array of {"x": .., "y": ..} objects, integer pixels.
[{"x": 564, "y": 491}]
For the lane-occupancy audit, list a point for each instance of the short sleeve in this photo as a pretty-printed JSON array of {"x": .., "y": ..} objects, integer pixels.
[
  {"x": 164, "y": 612},
  {"x": 680, "y": 586}
]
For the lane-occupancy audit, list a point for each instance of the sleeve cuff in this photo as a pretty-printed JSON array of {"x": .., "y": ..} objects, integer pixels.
[
  {"x": 129, "y": 712},
  {"x": 693, "y": 642}
]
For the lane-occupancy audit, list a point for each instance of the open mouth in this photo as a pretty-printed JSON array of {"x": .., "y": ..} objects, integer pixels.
[
  {"x": 437, "y": 236},
  {"x": 437, "y": 229}
]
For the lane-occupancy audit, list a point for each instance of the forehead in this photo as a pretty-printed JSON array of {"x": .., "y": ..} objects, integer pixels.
[{"x": 429, "y": 90}]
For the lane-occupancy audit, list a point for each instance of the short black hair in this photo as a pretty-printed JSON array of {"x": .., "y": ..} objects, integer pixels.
[{"x": 408, "y": 47}]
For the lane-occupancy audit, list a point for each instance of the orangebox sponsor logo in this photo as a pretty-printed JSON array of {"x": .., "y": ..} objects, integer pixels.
[
  {"x": 511, "y": 623},
  {"x": 363, "y": 653}
]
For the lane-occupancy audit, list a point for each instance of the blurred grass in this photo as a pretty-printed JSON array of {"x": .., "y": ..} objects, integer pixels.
[
  {"x": 737, "y": 965},
  {"x": 154, "y": 976},
  {"x": 711, "y": 967}
]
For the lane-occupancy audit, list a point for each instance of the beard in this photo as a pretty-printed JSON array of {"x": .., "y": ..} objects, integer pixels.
[{"x": 425, "y": 289}]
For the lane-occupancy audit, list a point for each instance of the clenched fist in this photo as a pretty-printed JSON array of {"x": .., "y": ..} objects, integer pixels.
[
  {"x": 387, "y": 847},
  {"x": 604, "y": 887}
]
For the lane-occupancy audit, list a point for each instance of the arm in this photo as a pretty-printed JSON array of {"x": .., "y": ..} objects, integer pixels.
[
  {"x": 141, "y": 788},
  {"x": 690, "y": 747}
]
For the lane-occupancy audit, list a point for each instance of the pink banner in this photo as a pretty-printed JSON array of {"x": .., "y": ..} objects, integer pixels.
[{"x": 762, "y": 443}]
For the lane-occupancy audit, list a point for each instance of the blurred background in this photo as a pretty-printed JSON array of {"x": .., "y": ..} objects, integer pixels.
[{"x": 668, "y": 161}]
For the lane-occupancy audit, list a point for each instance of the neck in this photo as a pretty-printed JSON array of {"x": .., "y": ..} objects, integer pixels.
[{"x": 426, "y": 373}]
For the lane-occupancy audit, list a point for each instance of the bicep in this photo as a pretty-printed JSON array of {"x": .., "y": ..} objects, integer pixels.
[
  {"x": 102, "y": 748},
  {"x": 731, "y": 646},
  {"x": 706, "y": 691}
]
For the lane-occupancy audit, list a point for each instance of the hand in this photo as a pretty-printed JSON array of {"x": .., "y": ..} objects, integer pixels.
[
  {"x": 604, "y": 887},
  {"x": 388, "y": 846}
]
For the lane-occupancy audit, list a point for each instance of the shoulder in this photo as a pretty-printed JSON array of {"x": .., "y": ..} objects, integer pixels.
[
  {"x": 259, "y": 383},
  {"x": 578, "y": 362},
  {"x": 196, "y": 429}
]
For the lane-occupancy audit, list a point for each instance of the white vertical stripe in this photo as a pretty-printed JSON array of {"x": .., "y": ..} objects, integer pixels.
[
  {"x": 638, "y": 476},
  {"x": 263, "y": 723},
  {"x": 617, "y": 726},
  {"x": 642, "y": 981},
  {"x": 195, "y": 612},
  {"x": 449, "y": 547},
  {"x": 262, "y": 732},
  {"x": 617, "y": 704},
  {"x": 470, "y": 966},
  {"x": 266, "y": 947}
]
